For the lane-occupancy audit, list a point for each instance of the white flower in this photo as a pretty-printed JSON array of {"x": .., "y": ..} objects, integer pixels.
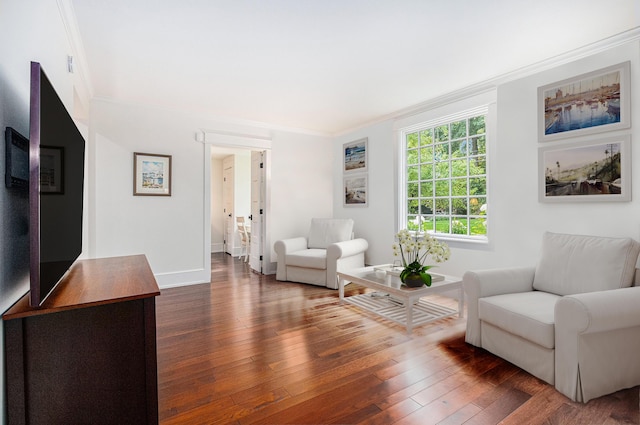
[{"x": 415, "y": 248}]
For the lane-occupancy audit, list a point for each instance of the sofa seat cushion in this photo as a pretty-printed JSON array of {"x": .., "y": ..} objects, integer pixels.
[
  {"x": 308, "y": 258},
  {"x": 574, "y": 264},
  {"x": 529, "y": 315}
]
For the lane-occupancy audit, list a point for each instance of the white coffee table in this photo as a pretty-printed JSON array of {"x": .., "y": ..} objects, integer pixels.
[{"x": 398, "y": 303}]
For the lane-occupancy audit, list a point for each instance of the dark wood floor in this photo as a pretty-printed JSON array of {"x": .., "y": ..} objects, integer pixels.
[{"x": 246, "y": 349}]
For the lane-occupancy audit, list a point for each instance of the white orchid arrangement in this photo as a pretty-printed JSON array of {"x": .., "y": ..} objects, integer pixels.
[{"x": 414, "y": 248}]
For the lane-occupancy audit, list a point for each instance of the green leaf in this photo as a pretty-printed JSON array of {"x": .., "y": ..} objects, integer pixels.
[{"x": 426, "y": 278}]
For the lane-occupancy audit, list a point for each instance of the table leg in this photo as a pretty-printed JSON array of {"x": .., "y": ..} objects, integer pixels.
[
  {"x": 341, "y": 289},
  {"x": 409, "y": 310},
  {"x": 461, "y": 303}
]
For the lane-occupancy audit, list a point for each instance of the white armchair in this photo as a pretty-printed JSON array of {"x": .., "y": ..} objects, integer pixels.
[
  {"x": 572, "y": 321},
  {"x": 316, "y": 259}
]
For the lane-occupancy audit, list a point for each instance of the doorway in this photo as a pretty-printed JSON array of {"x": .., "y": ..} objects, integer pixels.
[{"x": 256, "y": 175}]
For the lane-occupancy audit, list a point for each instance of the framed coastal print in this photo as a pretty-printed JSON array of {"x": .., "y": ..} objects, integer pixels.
[
  {"x": 355, "y": 190},
  {"x": 355, "y": 156},
  {"x": 595, "y": 171},
  {"x": 590, "y": 103},
  {"x": 151, "y": 174}
]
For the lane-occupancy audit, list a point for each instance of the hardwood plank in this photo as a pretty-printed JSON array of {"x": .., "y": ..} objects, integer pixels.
[
  {"x": 329, "y": 406},
  {"x": 450, "y": 404},
  {"x": 393, "y": 413},
  {"x": 542, "y": 405},
  {"x": 509, "y": 402},
  {"x": 246, "y": 349},
  {"x": 462, "y": 415}
]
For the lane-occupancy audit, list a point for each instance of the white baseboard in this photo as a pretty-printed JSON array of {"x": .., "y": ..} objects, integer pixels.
[
  {"x": 194, "y": 277},
  {"x": 183, "y": 278}
]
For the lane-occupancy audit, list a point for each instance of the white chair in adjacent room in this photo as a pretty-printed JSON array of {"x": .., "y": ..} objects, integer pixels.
[{"x": 245, "y": 238}]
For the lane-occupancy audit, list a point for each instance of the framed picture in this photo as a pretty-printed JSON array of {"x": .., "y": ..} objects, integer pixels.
[
  {"x": 51, "y": 169},
  {"x": 586, "y": 104},
  {"x": 586, "y": 172},
  {"x": 151, "y": 174},
  {"x": 355, "y": 156},
  {"x": 355, "y": 190}
]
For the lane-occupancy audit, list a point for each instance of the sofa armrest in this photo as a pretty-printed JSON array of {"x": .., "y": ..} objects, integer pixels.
[
  {"x": 594, "y": 316},
  {"x": 346, "y": 248},
  {"x": 284, "y": 247},
  {"x": 485, "y": 283},
  {"x": 600, "y": 311},
  {"x": 343, "y": 256},
  {"x": 287, "y": 246}
]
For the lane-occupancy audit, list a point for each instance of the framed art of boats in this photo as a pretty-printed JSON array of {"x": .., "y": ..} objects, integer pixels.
[{"x": 590, "y": 103}]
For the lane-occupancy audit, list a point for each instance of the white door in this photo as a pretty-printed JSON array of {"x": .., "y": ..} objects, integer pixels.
[
  {"x": 227, "y": 201},
  {"x": 258, "y": 194}
]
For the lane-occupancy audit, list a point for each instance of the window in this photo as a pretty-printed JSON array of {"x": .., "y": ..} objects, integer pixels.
[{"x": 445, "y": 177}]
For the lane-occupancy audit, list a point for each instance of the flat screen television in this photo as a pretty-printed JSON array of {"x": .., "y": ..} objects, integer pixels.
[{"x": 56, "y": 187}]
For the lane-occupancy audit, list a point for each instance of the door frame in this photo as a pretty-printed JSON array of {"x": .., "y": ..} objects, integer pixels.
[{"x": 230, "y": 140}]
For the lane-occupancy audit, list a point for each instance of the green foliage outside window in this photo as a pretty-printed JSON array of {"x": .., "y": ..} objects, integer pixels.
[{"x": 446, "y": 178}]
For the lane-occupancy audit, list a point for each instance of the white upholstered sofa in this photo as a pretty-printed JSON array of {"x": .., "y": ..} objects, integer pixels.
[
  {"x": 572, "y": 321},
  {"x": 315, "y": 259}
]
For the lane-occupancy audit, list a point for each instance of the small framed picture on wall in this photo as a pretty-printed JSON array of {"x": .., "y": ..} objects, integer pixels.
[
  {"x": 355, "y": 190},
  {"x": 355, "y": 156},
  {"x": 151, "y": 174}
]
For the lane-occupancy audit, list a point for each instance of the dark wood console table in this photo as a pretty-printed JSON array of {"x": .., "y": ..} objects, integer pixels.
[{"x": 88, "y": 354}]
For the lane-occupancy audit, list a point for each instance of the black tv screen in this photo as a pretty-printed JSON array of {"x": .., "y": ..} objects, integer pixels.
[{"x": 56, "y": 187}]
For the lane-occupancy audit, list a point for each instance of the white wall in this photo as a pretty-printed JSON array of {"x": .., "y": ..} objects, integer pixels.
[
  {"x": 171, "y": 231},
  {"x": 168, "y": 230},
  {"x": 376, "y": 221},
  {"x": 517, "y": 219},
  {"x": 301, "y": 184}
]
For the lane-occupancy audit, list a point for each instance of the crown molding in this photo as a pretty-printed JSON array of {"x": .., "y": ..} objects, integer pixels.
[
  {"x": 251, "y": 126},
  {"x": 492, "y": 83}
]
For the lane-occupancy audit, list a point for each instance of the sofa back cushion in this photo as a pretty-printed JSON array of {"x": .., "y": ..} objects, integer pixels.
[
  {"x": 325, "y": 231},
  {"x": 573, "y": 264}
]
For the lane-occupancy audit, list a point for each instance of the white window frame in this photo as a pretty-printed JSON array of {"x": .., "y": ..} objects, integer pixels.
[{"x": 402, "y": 167}]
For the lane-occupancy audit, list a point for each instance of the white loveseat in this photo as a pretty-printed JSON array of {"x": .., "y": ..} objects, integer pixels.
[
  {"x": 316, "y": 259},
  {"x": 572, "y": 321}
]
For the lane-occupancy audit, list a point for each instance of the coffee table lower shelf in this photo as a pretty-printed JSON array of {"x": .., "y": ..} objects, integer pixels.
[
  {"x": 394, "y": 310},
  {"x": 393, "y": 301}
]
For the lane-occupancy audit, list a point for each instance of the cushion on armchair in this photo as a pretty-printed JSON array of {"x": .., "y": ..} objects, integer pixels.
[
  {"x": 325, "y": 231},
  {"x": 526, "y": 314},
  {"x": 309, "y": 258},
  {"x": 572, "y": 264}
]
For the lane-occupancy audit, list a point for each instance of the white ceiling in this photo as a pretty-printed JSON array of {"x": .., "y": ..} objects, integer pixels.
[{"x": 325, "y": 66}]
